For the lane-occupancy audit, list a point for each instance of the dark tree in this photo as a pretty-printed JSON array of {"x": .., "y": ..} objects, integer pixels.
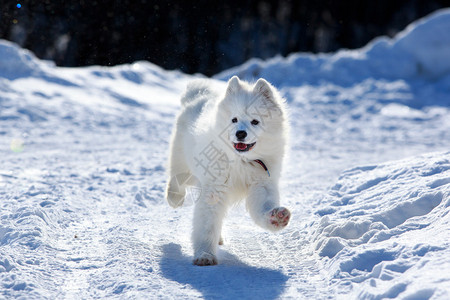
[{"x": 199, "y": 36}]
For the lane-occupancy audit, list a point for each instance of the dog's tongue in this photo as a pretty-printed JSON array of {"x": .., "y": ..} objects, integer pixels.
[{"x": 241, "y": 146}]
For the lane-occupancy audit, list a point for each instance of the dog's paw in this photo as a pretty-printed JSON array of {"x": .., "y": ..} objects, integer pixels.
[
  {"x": 175, "y": 199},
  {"x": 279, "y": 217},
  {"x": 175, "y": 193},
  {"x": 205, "y": 259},
  {"x": 176, "y": 188}
]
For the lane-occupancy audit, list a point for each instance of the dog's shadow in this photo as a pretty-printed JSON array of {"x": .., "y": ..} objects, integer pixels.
[{"x": 231, "y": 279}]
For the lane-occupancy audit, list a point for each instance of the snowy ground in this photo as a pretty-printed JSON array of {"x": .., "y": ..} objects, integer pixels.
[{"x": 82, "y": 174}]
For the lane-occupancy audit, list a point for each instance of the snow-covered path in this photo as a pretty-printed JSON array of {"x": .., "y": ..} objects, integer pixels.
[{"x": 82, "y": 175}]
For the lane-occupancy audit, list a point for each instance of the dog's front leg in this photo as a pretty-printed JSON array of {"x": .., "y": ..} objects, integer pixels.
[
  {"x": 209, "y": 212},
  {"x": 263, "y": 205}
]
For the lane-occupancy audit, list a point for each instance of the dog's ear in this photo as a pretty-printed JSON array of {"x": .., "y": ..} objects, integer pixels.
[
  {"x": 263, "y": 88},
  {"x": 234, "y": 85}
]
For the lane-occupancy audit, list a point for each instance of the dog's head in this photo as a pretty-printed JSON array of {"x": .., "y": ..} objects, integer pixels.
[{"x": 253, "y": 117}]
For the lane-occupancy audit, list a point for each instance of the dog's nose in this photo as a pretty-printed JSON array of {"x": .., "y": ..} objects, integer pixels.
[{"x": 241, "y": 134}]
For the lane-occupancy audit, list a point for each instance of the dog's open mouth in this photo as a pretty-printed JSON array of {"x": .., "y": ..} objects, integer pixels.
[{"x": 241, "y": 147}]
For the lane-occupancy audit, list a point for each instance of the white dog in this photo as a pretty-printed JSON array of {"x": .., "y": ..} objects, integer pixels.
[{"x": 231, "y": 145}]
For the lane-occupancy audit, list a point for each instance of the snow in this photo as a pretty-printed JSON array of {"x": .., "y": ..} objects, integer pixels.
[
  {"x": 82, "y": 175},
  {"x": 385, "y": 226},
  {"x": 421, "y": 50}
]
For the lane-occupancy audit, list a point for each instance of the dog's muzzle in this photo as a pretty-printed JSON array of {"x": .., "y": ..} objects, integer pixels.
[{"x": 242, "y": 147}]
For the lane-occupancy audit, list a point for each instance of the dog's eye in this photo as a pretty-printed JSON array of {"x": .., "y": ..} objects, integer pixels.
[
  {"x": 234, "y": 120},
  {"x": 255, "y": 122}
]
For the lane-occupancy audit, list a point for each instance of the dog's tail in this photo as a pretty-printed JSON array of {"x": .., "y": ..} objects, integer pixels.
[{"x": 197, "y": 90}]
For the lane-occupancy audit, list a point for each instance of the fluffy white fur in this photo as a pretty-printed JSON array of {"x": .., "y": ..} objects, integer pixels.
[{"x": 207, "y": 151}]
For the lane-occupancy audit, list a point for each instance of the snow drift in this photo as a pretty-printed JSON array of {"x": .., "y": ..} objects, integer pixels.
[
  {"x": 421, "y": 50},
  {"x": 82, "y": 173},
  {"x": 386, "y": 227}
]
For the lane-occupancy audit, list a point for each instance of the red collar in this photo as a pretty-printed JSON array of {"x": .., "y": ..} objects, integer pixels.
[{"x": 260, "y": 162}]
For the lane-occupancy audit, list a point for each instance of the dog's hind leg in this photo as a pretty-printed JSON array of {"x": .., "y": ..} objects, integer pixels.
[{"x": 178, "y": 172}]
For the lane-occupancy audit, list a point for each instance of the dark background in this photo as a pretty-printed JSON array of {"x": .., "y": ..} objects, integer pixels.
[{"x": 200, "y": 36}]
